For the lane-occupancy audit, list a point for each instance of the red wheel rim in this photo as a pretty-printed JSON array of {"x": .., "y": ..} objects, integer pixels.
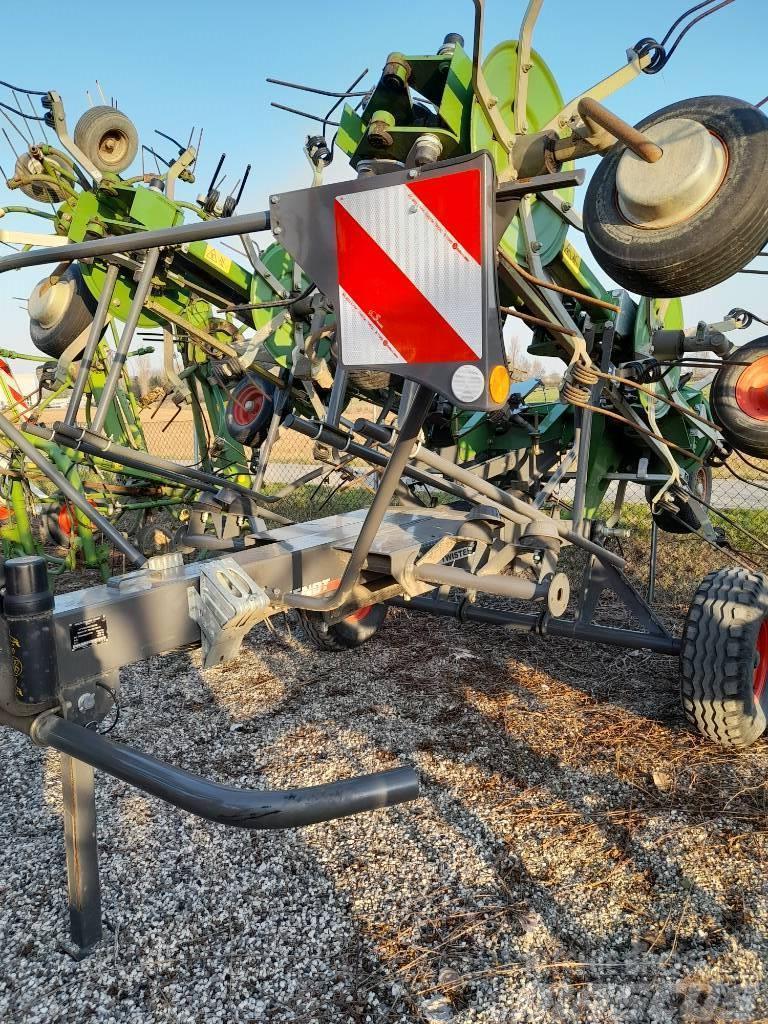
[
  {"x": 359, "y": 615},
  {"x": 64, "y": 520},
  {"x": 752, "y": 390},
  {"x": 761, "y": 670},
  {"x": 247, "y": 404}
]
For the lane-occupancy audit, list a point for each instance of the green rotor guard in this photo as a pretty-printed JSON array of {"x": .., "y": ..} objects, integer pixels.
[{"x": 543, "y": 103}]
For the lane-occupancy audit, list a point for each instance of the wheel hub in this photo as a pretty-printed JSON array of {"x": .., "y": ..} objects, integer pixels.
[
  {"x": 359, "y": 615},
  {"x": 752, "y": 390},
  {"x": 113, "y": 146},
  {"x": 677, "y": 186},
  {"x": 247, "y": 405},
  {"x": 49, "y": 301}
]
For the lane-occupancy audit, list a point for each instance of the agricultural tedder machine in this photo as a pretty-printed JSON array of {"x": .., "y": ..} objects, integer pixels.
[
  {"x": 239, "y": 332},
  {"x": 208, "y": 363},
  {"x": 397, "y": 283}
]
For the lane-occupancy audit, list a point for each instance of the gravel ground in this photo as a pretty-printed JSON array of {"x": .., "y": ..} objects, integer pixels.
[{"x": 577, "y": 853}]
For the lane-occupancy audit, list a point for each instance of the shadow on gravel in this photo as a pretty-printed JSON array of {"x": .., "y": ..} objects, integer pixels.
[
  {"x": 574, "y": 841},
  {"x": 587, "y": 751}
]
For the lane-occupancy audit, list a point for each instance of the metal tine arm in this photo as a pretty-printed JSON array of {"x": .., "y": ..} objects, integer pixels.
[
  {"x": 524, "y": 45},
  {"x": 143, "y": 288}
]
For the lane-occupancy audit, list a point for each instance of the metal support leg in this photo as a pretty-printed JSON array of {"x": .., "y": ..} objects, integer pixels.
[
  {"x": 406, "y": 398},
  {"x": 143, "y": 287},
  {"x": 585, "y": 435},
  {"x": 94, "y": 335},
  {"x": 390, "y": 478},
  {"x": 520, "y": 621},
  {"x": 83, "y": 886},
  {"x": 651, "y": 594},
  {"x": 28, "y": 609},
  {"x": 338, "y": 394},
  {"x": 597, "y": 578}
]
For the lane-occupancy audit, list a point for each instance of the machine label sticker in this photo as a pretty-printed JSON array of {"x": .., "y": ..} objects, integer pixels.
[
  {"x": 88, "y": 633},
  {"x": 320, "y": 587},
  {"x": 458, "y": 554},
  {"x": 218, "y": 259},
  {"x": 410, "y": 271}
]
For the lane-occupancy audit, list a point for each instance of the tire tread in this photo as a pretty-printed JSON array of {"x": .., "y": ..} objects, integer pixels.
[{"x": 717, "y": 657}]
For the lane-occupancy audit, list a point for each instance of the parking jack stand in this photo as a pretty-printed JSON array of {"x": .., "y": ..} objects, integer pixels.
[
  {"x": 28, "y": 610},
  {"x": 83, "y": 886},
  {"x": 652, "y": 559}
]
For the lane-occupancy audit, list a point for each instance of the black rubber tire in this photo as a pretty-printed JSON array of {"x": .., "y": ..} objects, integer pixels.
[
  {"x": 130, "y": 522},
  {"x": 42, "y": 191},
  {"x": 343, "y": 635},
  {"x": 740, "y": 430},
  {"x": 101, "y": 127},
  {"x": 719, "y": 654},
  {"x": 681, "y": 520},
  {"x": 154, "y": 538},
  {"x": 718, "y": 240},
  {"x": 54, "y": 340},
  {"x": 50, "y": 527},
  {"x": 254, "y": 431}
]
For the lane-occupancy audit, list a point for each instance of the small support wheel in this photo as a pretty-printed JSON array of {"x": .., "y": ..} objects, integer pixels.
[
  {"x": 650, "y": 226},
  {"x": 345, "y": 634},
  {"x": 30, "y": 169},
  {"x": 154, "y": 538},
  {"x": 108, "y": 138},
  {"x": 60, "y": 310},
  {"x": 679, "y": 517},
  {"x": 724, "y": 658},
  {"x": 249, "y": 412},
  {"x": 739, "y": 398}
]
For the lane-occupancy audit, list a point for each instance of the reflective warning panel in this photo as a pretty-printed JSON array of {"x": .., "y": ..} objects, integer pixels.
[
  {"x": 415, "y": 276},
  {"x": 410, "y": 276}
]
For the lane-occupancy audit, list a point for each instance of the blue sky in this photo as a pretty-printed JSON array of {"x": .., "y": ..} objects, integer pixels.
[{"x": 171, "y": 65}]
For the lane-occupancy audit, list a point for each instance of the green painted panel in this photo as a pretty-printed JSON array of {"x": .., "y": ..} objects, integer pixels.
[
  {"x": 280, "y": 264},
  {"x": 153, "y": 210},
  {"x": 544, "y": 101},
  {"x": 217, "y": 263}
]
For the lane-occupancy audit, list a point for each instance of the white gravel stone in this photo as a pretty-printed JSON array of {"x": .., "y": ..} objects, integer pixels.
[{"x": 541, "y": 877}]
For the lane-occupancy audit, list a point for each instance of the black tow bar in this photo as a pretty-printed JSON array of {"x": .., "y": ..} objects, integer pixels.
[
  {"x": 227, "y": 805},
  {"x": 33, "y": 701}
]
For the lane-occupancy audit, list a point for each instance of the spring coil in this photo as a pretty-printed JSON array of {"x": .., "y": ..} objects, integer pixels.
[
  {"x": 660, "y": 52},
  {"x": 652, "y": 47},
  {"x": 578, "y": 383}
]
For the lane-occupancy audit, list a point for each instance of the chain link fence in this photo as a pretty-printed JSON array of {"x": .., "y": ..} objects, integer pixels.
[
  {"x": 738, "y": 511},
  {"x": 311, "y": 489}
]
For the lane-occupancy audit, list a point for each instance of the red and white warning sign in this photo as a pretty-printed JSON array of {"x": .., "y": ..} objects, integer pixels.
[
  {"x": 410, "y": 273},
  {"x": 10, "y": 392}
]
